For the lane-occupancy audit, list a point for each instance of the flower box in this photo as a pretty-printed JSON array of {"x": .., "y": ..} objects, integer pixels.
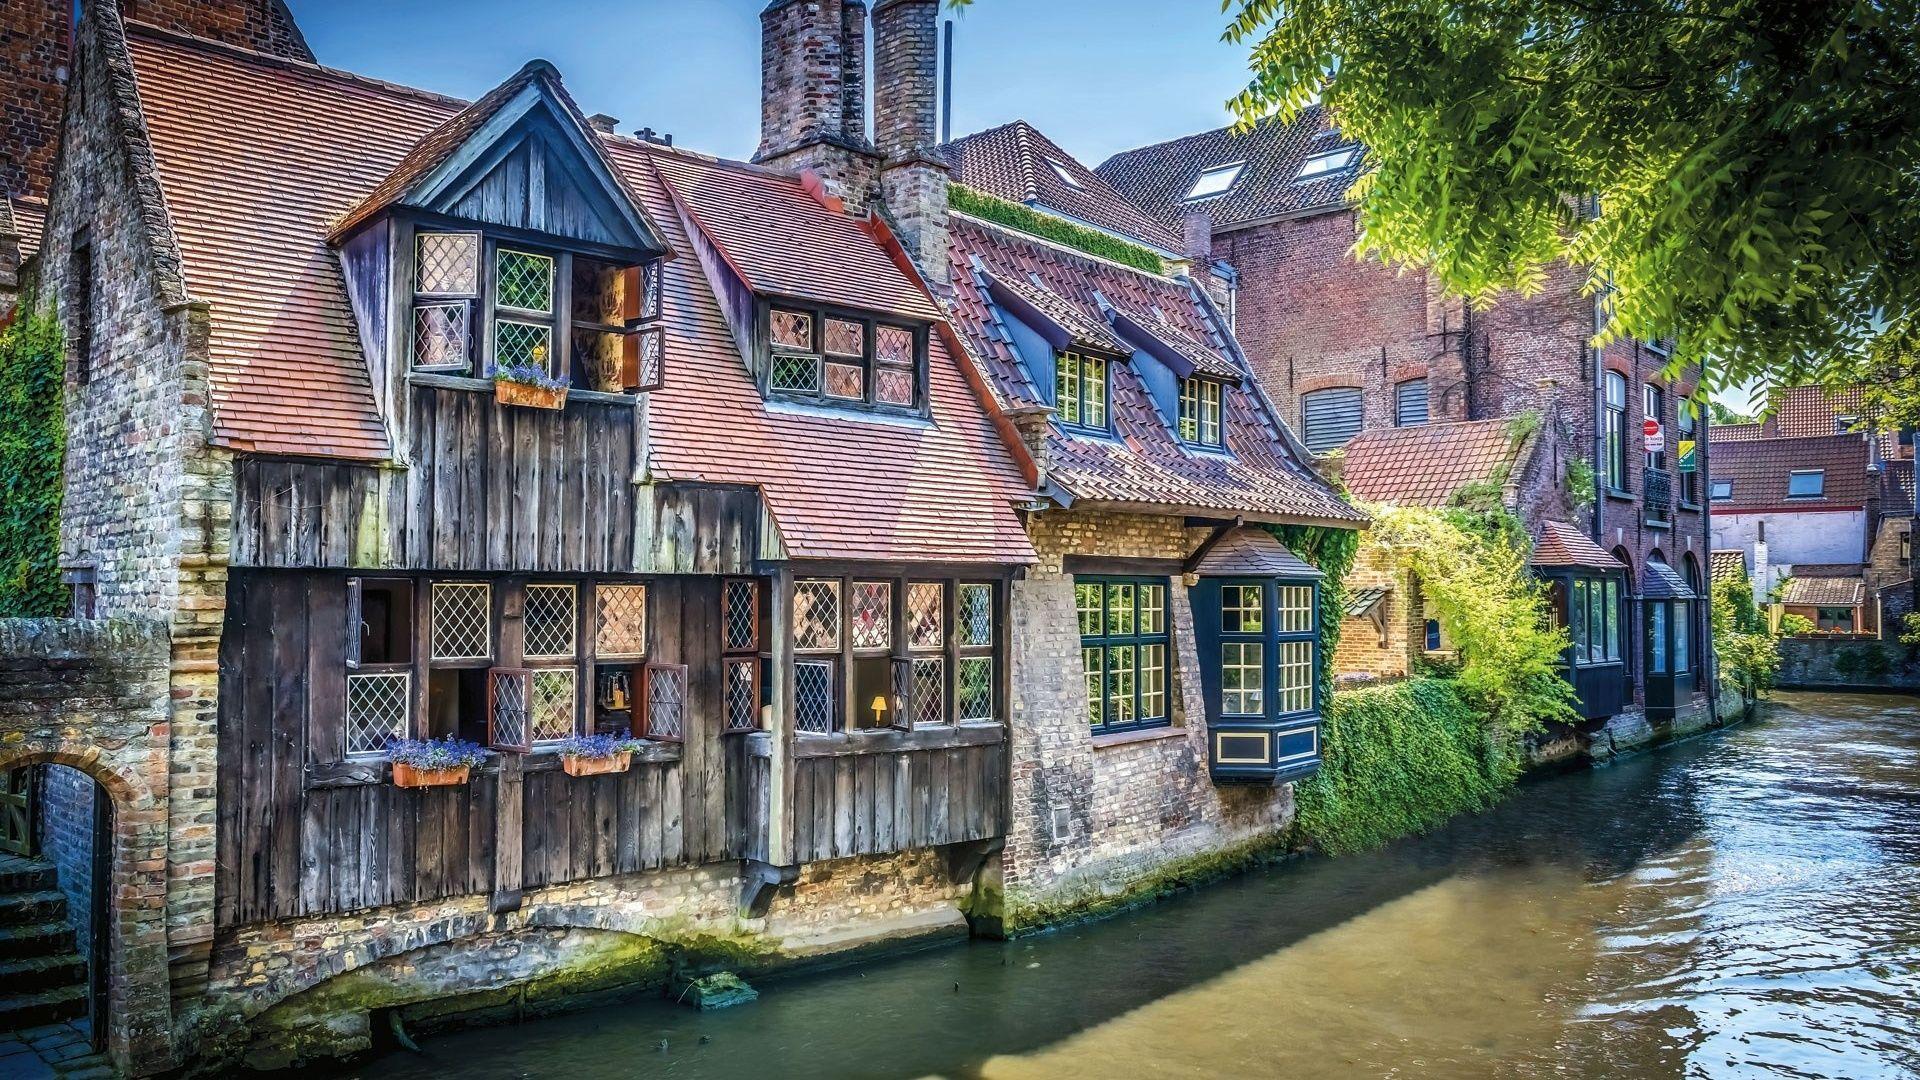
[
  {"x": 405, "y": 775},
  {"x": 529, "y": 396},
  {"x": 587, "y": 766}
]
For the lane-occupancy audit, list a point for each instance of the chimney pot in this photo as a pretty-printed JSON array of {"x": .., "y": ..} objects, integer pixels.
[{"x": 602, "y": 123}]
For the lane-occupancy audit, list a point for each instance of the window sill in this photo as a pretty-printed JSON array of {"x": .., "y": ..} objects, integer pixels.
[
  {"x": 358, "y": 771},
  {"x": 1145, "y": 735},
  {"x": 850, "y": 411},
  {"x": 468, "y": 382},
  {"x": 1619, "y": 496},
  {"x": 941, "y": 737}
]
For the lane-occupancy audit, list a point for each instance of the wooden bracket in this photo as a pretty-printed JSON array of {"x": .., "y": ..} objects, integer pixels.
[
  {"x": 965, "y": 858},
  {"x": 758, "y": 882}
]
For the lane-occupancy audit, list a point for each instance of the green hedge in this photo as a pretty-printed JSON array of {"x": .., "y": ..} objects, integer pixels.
[
  {"x": 33, "y": 442},
  {"x": 1399, "y": 760},
  {"x": 1014, "y": 216}
]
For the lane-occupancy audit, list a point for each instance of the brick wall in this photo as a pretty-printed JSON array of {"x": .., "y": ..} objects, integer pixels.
[
  {"x": 1089, "y": 819},
  {"x": 66, "y": 803},
  {"x": 1885, "y": 563},
  {"x": 813, "y": 94}
]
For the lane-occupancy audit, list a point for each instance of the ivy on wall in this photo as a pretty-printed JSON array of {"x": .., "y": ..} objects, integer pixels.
[
  {"x": 1014, "y": 216},
  {"x": 33, "y": 440},
  {"x": 1398, "y": 760},
  {"x": 1330, "y": 551}
]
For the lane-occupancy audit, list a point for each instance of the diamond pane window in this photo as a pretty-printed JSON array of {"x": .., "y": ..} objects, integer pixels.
[
  {"x": 1153, "y": 609},
  {"x": 1295, "y": 613},
  {"x": 974, "y": 622},
  {"x": 1119, "y": 610},
  {"x": 816, "y": 615},
  {"x": 623, "y": 621},
  {"x": 1240, "y": 609},
  {"x": 742, "y": 630},
  {"x": 1086, "y": 598},
  {"x": 800, "y": 374},
  {"x": 871, "y": 612},
  {"x": 377, "y": 708},
  {"x": 447, "y": 263},
  {"x": 846, "y": 338},
  {"x": 813, "y": 696},
  {"x": 551, "y": 704},
  {"x": 1153, "y": 682},
  {"x": 550, "y": 622},
  {"x": 923, "y": 614},
  {"x": 846, "y": 381},
  {"x": 666, "y": 702},
  {"x": 462, "y": 621},
  {"x": 929, "y": 690},
  {"x": 651, "y": 368},
  {"x": 507, "y": 695},
  {"x": 791, "y": 330},
  {"x": 973, "y": 688},
  {"x": 1241, "y": 681},
  {"x": 523, "y": 280},
  {"x": 893, "y": 386},
  {"x": 653, "y": 272},
  {"x": 1120, "y": 672},
  {"x": 1296, "y": 676},
  {"x": 440, "y": 335},
  {"x": 518, "y": 344},
  {"x": 742, "y": 691},
  {"x": 893, "y": 346}
]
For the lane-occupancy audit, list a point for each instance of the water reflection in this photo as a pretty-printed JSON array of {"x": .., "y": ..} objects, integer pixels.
[{"x": 1743, "y": 904}]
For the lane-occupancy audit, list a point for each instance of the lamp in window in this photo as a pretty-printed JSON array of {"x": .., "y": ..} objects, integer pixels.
[{"x": 879, "y": 707}]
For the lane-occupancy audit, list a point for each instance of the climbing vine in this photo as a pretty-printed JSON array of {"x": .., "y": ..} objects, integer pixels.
[
  {"x": 1014, "y": 216},
  {"x": 1330, "y": 551},
  {"x": 33, "y": 441},
  {"x": 1749, "y": 653},
  {"x": 1399, "y": 760}
]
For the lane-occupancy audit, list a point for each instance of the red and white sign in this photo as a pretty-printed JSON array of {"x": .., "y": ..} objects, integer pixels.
[{"x": 1656, "y": 439}]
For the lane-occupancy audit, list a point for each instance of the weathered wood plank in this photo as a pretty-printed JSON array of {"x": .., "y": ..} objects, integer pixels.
[{"x": 843, "y": 807}]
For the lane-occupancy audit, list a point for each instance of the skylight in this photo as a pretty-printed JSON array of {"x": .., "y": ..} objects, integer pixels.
[
  {"x": 1332, "y": 161},
  {"x": 1216, "y": 181},
  {"x": 1061, "y": 171}
]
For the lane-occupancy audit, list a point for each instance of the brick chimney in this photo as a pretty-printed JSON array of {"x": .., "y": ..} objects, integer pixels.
[
  {"x": 906, "y": 107},
  {"x": 813, "y": 92}
]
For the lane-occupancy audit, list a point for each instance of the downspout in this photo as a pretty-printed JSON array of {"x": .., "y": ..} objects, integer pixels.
[
  {"x": 1466, "y": 356},
  {"x": 1703, "y": 472}
]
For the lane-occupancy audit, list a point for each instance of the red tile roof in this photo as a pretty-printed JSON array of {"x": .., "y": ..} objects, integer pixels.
[
  {"x": 1737, "y": 432},
  {"x": 260, "y": 157},
  {"x": 1727, "y": 564},
  {"x": 1426, "y": 465},
  {"x": 1253, "y": 552},
  {"x": 1562, "y": 545},
  {"x": 1157, "y": 178},
  {"x": 1824, "y": 591},
  {"x": 1759, "y": 470},
  {"x": 1144, "y": 466},
  {"x": 1807, "y": 411},
  {"x": 1016, "y": 162}
]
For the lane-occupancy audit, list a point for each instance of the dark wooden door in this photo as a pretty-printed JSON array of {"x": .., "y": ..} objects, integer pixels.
[{"x": 16, "y": 811}]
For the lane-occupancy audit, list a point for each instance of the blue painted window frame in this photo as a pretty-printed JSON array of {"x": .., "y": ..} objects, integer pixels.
[{"x": 1106, "y": 641}]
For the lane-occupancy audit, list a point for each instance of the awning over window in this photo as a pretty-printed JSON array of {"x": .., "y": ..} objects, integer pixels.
[
  {"x": 1252, "y": 552},
  {"x": 1662, "y": 582},
  {"x": 1362, "y": 602}
]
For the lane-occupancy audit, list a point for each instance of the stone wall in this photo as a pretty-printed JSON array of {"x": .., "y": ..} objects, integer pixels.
[
  {"x": 66, "y": 805},
  {"x": 1815, "y": 662},
  {"x": 1092, "y": 817},
  {"x": 93, "y": 696}
]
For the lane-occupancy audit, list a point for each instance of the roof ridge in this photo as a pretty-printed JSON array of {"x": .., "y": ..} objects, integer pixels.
[
  {"x": 239, "y": 52},
  {"x": 1224, "y": 129},
  {"x": 1042, "y": 241}
]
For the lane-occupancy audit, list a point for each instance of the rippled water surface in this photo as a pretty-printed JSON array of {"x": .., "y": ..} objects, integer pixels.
[{"x": 1745, "y": 904}]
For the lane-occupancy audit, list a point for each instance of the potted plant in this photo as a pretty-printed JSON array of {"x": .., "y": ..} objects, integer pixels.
[
  {"x": 593, "y": 755},
  {"x": 529, "y": 385},
  {"x": 433, "y": 762}
]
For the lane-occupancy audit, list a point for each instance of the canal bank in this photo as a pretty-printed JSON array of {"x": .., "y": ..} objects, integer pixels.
[{"x": 1740, "y": 902}]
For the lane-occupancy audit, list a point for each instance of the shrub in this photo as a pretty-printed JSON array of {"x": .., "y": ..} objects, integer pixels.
[
  {"x": 1791, "y": 623},
  {"x": 1748, "y": 652},
  {"x": 33, "y": 442},
  {"x": 1911, "y": 635},
  {"x": 1401, "y": 759},
  {"x": 1014, "y": 216}
]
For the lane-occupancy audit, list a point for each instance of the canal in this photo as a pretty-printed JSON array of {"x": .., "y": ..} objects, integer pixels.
[{"x": 1747, "y": 903}]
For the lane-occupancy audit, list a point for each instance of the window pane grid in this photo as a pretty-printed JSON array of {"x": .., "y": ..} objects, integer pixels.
[
  {"x": 1242, "y": 609},
  {"x": 742, "y": 694},
  {"x": 1295, "y": 687},
  {"x": 623, "y": 621},
  {"x": 800, "y": 374},
  {"x": 666, "y": 701},
  {"x": 1294, "y": 613},
  {"x": 550, "y": 621},
  {"x": 813, "y": 696},
  {"x": 924, "y": 620},
  {"x": 1120, "y": 684},
  {"x": 523, "y": 280},
  {"x": 1093, "y": 391},
  {"x": 440, "y": 334},
  {"x": 1123, "y": 651},
  {"x": 929, "y": 690},
  {"x": 552, "y": 704},
  {"x": 974, "y": 624},
  {"x": 1241, "y": 678},
  {"x": 447, "y": 263},
  {"x": 1153, "y": 682},
  {"x": 377, "y": 709},
  {"x": 872, "y": 614},
  {"x": 816, "y": 615},
  {"x": 742, "y": 616},
  {"x": 518, "y": 344},
  {"x": 973, "y": 689},
  {"x": 462, "y": 621}
]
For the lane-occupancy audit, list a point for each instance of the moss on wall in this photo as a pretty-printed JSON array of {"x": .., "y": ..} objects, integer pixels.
[{"x": 1027, "y": 912}]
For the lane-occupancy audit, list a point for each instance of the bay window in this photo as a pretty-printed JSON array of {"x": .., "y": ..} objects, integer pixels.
[{"x": 1258, "y": 641}]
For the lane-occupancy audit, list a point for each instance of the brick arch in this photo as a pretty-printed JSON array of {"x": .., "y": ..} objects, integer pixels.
[
  {"x": 1334, "y": 381},
  {"x": 139, "y": 1008}
]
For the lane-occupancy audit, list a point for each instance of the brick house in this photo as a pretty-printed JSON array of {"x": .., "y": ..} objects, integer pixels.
[
  {"x": 1345, "y": 347},
  {"x": 805, "y": 522}
]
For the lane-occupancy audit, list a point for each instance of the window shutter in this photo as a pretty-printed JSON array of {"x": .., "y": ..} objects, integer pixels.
[
  {"x": 1410, "y": 403},
  {"x": 509, "y": 718},
  {"x": 354, "y": 620},
  {"x": 1331, "y": 417},
  {"x": 665, "y": 716}
]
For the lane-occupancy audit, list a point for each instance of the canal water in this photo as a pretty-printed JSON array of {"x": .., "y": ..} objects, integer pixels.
[{"x": 1744, "y": 904}]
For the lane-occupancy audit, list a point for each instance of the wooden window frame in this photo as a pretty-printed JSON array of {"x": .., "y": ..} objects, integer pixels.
[
  {"x": 868, "y": 361},
  {"x": 1106, "y": 642},
  {"x": 643, "y": 719},
  {"x": 747, "y": 655},
  {"x": 1614, "y": 471},
  {"x": 1197, "y": 412},
  {"x": 1078, "y": 419}
]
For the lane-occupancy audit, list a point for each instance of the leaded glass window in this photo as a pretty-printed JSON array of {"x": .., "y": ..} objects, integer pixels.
[
  {"x": 871, "y": 612},
  {"x": 741, "y": 630},
  {"x": 550, "y": 622},
  {"x": 447, "y": 264},
  {"x": 974, "y": 621},
  {"x": 813, "y": 696},
  {"x": 846, "y": 338},
  {"x": 973, "y": 690},
  {"x": 1124, "y": 644},
  {"x": 524, "y": 281},
  {"x": 519, "y": 344},
  {"x": 816, "y": 615},
  {"x": 440, "y": 333},
  {"x": 378, "y": 704},
  {"x": 742, "y": 693},
  {"x": 462, "y": 621},
  {"x": 924, "y": 617},
  {"x": 623, "y": 621},
  {"x": 929, "y": 690},
  {"x": 552, "y": 704},
  {"x": 446, "y": 283},
  {"x": 821, "y": 355}
]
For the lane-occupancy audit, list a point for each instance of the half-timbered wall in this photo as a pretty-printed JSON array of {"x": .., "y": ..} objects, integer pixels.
[{"x": 303, "y": 832}]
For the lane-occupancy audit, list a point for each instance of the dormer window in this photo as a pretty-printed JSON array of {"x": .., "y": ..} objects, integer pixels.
[
  {"x": 563, "y": 314},
  {"x": 1200, "y": 412},
  {"x": 1080, "y": 391},
  {"x": 1327, "y": 163},
  {"x": 1215, "y": 181},
  {"x": 843, "y": 358},
  {"x": 1063, "y": 173}
]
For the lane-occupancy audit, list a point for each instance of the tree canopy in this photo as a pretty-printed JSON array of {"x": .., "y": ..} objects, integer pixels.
[{"x": 1741, "y": 174}]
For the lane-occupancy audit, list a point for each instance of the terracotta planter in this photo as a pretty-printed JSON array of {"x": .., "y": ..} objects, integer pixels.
[
  {"x": 405, "y": 775},
  {"x": 527, "y": 396},
  {"x": 585, "y": 766}
]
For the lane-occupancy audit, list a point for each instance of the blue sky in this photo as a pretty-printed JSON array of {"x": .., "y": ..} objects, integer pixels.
[{"x": 1097, "y": 75}]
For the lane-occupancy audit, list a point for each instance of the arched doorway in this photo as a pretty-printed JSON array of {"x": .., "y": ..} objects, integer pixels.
[
  {"x": 56, "y": 844},
  {"x": 1699, "y": 612}
]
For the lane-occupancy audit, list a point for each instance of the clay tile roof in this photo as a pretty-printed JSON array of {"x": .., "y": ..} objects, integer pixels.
[
  {"x": 1759, "y": 470},
  {"x": 1086, "y": 329},
  {"x": 1363, "y": 600},
  {"x": 1806, "y": 411},
  {"x": 1157, "y": 178},
  {"x": 1824, "y": 591},
  {"x": 29, "y": 218},
  {"x": 1205, "y": 358},
  {"x": 753, "y": 216},
  {"x": 1425, "y": 465},
  {"x": 1658, "y": 581},
  {"x": 1727, "y": 564},
  {"x": 1562, "y": 545},
  {"x": 1896, "y": 487},
  {"x": 1723, "y": 433},
  {"x": 1017, "y": 163},
  {"x": 1252, "y": 552},
  {"x": 1143, "y": 465}
]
